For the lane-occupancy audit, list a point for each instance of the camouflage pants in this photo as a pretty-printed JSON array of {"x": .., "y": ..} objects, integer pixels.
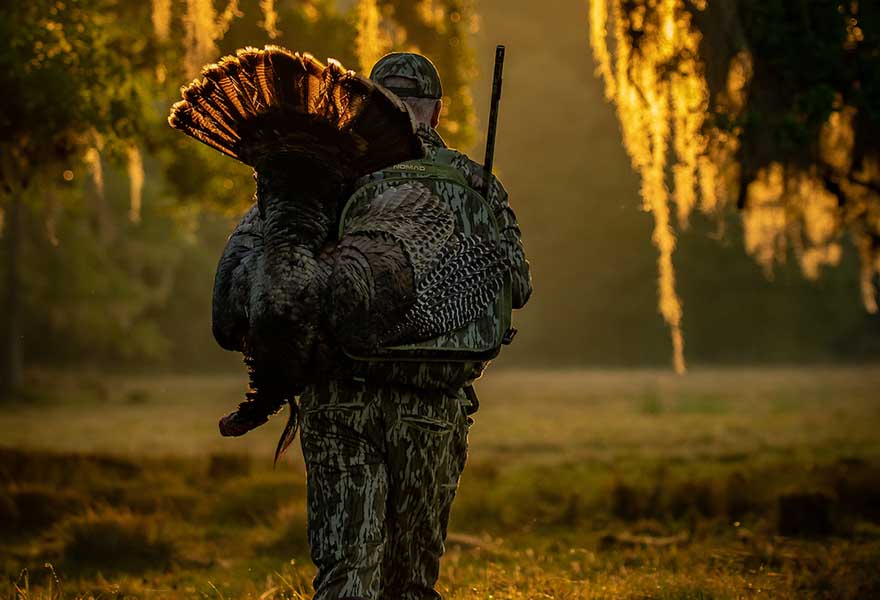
[{"x": 383, "y": 466}]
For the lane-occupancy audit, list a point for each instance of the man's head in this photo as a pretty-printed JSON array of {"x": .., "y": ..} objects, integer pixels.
[{"x": 415, "y": 80}]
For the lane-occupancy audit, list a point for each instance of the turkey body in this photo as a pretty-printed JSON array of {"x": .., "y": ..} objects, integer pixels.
[{"x": 289, "y": 292}]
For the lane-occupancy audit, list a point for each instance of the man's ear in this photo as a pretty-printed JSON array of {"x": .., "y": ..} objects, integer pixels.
[{"x": 435, "y": 118}]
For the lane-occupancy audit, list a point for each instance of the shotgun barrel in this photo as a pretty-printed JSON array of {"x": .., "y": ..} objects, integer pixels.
[{"x": 497, "y": 80}]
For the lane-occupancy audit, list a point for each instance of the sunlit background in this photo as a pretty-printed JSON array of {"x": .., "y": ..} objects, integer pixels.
[
  {"x": 698, "y": 188},
  {"x": 120, "y": 220}
]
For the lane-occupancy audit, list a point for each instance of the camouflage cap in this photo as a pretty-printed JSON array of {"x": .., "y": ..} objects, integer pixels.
[{"x": 410, "y": 66}]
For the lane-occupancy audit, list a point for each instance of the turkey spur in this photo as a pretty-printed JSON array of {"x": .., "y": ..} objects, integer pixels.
[{"x": 289, "y": 292}]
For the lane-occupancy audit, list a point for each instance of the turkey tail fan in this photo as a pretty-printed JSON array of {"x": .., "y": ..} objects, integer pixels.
[
  {"x": 463, "y": 283},
  {"x": 263, "y": 103}
]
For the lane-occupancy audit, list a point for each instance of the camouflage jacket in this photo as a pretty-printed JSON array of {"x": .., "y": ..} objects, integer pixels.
[{"x": 440, "y": 375}]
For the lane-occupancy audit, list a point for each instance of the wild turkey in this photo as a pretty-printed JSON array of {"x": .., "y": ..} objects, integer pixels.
[{"x": 288, "y": 294}]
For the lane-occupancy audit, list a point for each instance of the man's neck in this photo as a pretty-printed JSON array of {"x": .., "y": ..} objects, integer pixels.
[{"x": 429, "y": 135}]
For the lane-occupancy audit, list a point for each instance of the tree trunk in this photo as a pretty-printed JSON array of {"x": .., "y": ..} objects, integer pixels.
[{"x": 11, "y": 365}]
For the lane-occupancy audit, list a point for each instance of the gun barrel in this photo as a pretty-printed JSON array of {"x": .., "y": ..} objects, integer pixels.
[{"x": 497, "y": 81}]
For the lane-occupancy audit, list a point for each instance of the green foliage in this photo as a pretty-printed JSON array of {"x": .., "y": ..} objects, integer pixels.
[
  {"x": 64, "y": 83},
  {"x": 808, "y": 60},
  {"x": 804, "y": 68}
]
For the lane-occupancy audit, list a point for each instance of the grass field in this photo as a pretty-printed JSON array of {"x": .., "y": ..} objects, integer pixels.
[{"x": 726, "y": 483}]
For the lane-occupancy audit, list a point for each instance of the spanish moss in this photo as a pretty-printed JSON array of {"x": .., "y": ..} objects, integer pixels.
[
  {"x": 371, "y": 43},
  {"x": 136, "y": 182}
]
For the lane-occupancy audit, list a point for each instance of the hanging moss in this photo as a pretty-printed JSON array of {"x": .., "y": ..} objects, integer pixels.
[{"x": 769, "y": 106}]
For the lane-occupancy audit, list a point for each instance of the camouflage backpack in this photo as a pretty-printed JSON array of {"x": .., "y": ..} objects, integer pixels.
[{"x": 481, "y": 339}]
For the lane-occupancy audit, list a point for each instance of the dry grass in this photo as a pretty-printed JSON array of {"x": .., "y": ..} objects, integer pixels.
[
  {"x": 113, "y": 540},
  {"x": 603, "y": 484}
]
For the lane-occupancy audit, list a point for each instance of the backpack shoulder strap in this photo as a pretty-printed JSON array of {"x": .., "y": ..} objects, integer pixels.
[
  {"x": 437, "y": 166},
  {"x": 445, "y": 156}
]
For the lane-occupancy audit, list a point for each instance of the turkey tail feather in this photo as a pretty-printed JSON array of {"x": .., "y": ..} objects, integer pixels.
[
  {"x": 211, "y": 104},
  {"x": 187, "y": 120},
  {"x": 264, "y": 103}
]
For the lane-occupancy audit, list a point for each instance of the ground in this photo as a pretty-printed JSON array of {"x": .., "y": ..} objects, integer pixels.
[{"x": 725, "y": 483}]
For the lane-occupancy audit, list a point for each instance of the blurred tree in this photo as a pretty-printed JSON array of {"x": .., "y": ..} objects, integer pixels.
[
  {"x": 772, "y": 104},
  {"x": 66, "y": 90}
]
